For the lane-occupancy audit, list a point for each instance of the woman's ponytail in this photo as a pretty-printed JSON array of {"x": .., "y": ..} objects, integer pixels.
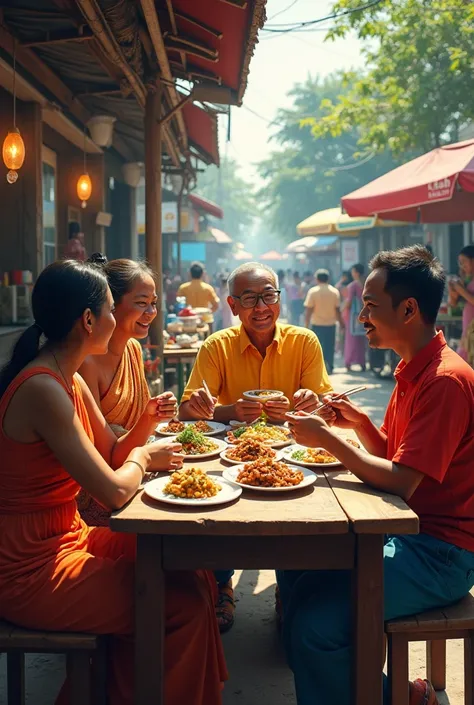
[{"x": 25, "y": 350}]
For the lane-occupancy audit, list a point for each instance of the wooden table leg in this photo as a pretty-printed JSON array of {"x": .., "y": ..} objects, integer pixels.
[
  {"x": 149, "y": 621},
  {"x": 180, "y": 372},
  {"x": 368, "y": 642}
]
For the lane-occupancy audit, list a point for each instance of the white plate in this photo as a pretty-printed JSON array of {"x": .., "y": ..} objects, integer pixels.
[
  {"x": 221, "y": 445},
  {"x": 287, "y": 453},
  {"x": 231, "y": 475},
  {"x": 278, "y": 456},
  {"x": 216, "y": 428},
  {"x": 227, "y": 493},
  {"x": 273, "y": 444},
  {"x": 251, "y": 395}
]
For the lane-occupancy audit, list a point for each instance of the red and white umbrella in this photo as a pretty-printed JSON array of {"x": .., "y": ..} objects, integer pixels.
[{"x": 437, "y": 187}]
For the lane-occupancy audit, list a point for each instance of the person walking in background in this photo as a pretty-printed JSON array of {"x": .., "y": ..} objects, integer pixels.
[
  {"x": 308, "y": 282},
  {"x": 465, "y": 290},
  {"x": 295, "y": 296},
  {"x": 322, "y": 311},
  {"x": 344, "y": 281},
  {"x": 75, "y": 248},
  {"x": 226, "y": 318},
  {"x": 354, "y": 339},
  {"x": 198, "y": 294}
]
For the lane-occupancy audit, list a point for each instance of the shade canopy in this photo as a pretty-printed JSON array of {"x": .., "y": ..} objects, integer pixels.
[
  {"x": 201, "y": 203},
  {"x": 333, "y": 220},
  {"x": 312, "y": 244},
  {"x": 273, "y": 256},
  {"x": 437, "y": 187},
  {"x": 220, "y": 236},
  {"x": 243, "y": 255}
]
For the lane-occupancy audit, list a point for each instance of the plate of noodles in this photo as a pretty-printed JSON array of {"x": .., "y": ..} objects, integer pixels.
[
  {"x": 313, "y": 457},
  {"x": 192, "y": 487},
  {"x": 173, "y": 427},
  {"x": 267, "y": 475},
  {"x": 275, "y": 436},
  {"x": 248, "y": 450},
  {"x": 198, "y": 446}
]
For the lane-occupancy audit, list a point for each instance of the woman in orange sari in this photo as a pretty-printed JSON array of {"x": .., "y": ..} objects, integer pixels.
[
  {"x": 117, "y": 379},
  {"x": 56, "y": 572}
]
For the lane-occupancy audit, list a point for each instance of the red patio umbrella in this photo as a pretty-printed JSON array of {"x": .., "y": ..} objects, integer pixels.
[{"x": 437, "y": 187}]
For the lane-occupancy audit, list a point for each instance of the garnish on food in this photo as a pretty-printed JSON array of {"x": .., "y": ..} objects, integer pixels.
[{"x": 195, "y": 443}]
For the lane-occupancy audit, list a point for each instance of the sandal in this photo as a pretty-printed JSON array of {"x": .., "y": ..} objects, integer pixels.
[
  {"x": 225, "y": 607},
  {"x": 422, "y": 693}
]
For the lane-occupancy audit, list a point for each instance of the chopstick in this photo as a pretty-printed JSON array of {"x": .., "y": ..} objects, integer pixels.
[
  {"x": 354, "y": 390},
  {"x": 208, "y": 391}
]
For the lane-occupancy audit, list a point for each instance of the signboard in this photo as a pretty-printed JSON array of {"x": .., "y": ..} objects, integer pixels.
[
  {"x": 169, "y": 217},
  {"x": 349, "y": 253}
]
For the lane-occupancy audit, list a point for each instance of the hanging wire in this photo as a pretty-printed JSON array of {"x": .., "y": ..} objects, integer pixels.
[
  {"x": 85, "y": 171},
  {"x": 14, "y": 83}
]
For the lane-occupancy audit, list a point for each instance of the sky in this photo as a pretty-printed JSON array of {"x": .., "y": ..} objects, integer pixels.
[{"x": 280, "y": 61}]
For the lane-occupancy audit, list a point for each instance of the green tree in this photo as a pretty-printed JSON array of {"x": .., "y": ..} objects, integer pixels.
[
  {"x": 303, "y": 175},
  {"x": 418, "y": 89},
  {"x": 232, "y": 193}
]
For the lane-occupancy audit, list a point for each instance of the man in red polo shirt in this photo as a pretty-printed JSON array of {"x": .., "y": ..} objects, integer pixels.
[{"x": 424, "y": 452}]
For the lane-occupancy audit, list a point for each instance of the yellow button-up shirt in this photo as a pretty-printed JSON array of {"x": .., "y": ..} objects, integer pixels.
[{"x": 231, "y": 364}]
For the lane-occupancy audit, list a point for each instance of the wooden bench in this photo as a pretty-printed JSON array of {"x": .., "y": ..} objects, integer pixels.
[
  {"x": 87, "y": 684},
  {"x": 435, "y": 627}
]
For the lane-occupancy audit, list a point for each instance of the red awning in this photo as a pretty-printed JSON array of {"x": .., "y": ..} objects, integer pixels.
[
  {"x": 205, "y": 205},
  {"x": 437, "y": 187},
  {"x": 220, "y": 40},
  {"x": 201, "y": 127}
]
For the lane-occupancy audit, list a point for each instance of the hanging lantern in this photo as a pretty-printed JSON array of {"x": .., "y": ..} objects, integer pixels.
[
  {"x": 13, "y": 153},
  {"x": 13, "y": 150},
  {"x": 84, "y": 189}
]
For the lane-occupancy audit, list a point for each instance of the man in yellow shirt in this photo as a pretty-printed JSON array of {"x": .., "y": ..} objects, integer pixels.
[
  {"x": 259, "y": 354},
  {"x": 198, "y": 294}
]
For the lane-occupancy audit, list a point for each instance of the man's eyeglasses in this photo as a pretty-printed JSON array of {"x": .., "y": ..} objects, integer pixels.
[{"x": 251, "y": 300}]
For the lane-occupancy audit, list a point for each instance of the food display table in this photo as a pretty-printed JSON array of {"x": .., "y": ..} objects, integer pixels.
[
  {"x": 337, "y": 523},
  {"x": 184, "y": 358}
]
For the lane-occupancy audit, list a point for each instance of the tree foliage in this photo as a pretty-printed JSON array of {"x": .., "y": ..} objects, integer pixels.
[
  {"x": 303, "y": 175},
  {"x": 232, "y": 193},
  {"x": 418, "y": 89}
]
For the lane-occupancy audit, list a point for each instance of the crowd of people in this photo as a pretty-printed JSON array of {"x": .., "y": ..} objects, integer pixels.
[{"x": 76, "y": 418}]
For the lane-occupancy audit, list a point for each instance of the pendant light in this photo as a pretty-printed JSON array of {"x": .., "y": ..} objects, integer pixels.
[
  {"x": 13, "y": 150},
  {"x": 84, "y": 183}
]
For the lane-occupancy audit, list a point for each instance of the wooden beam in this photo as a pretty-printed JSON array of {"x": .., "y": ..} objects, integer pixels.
[
  {"x": 175, "y": 109},
  {"x": 153, "y": 134},
  {"x": 175, "y": 43},
  {"x": 169, "y": 5},
  {"x": 241, "y": 4},
  {"x": 192, "y": 20},
  {"x": 61, "y": 38},
  {"x": 185, "y": 41}
]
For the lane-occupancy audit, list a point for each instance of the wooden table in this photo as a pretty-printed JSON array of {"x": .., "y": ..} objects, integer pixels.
[
  {"x": 184, "y": 357},
  {"x": 338, "y": 523}
]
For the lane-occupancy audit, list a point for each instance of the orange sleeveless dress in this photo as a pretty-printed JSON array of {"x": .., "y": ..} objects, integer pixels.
[{"x": 57, "y": 573}]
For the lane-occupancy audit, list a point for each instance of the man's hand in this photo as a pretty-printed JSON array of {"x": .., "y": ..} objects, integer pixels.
[
  {"x": 200, "y": 405},
  {"x": 309, "y": 431},
  {"x": 162, "y": 407},
  {"x": 277, "y": 409},
  {"x": 305, "y": 400},
  {"x": 347, "y": 414},
  {"x": 247, "y": 411}
]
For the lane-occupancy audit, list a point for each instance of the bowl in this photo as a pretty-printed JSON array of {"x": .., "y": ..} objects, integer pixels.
[
  {"x": 185, "y": 341},
  {"x": 262, "y": 395}
]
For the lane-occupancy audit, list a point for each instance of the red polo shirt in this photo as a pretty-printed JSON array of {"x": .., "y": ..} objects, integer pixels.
[{"x": 429, "y": 425}]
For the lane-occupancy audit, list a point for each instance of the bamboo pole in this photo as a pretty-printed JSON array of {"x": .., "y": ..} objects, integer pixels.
[{"x": 153, "y": 134}]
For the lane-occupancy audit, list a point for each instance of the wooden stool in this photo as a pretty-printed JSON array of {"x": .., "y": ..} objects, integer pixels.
[
  {"x": 435, "y": 627},
  {"x": 79, "y": 649}
]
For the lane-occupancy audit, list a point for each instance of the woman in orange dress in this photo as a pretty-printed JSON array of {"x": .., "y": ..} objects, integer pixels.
[
  {"x": 56, "y": 572},
  {"x": 117, "y": 379}
]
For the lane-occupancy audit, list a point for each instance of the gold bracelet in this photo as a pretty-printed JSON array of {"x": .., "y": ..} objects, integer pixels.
[{"x": 139, "y": 465}]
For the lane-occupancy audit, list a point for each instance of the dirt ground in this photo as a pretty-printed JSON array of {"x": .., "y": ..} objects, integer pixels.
[{"x": 258, "y": 672}]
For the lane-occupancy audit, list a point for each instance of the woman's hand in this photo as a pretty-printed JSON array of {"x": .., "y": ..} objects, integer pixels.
[
  {"x": 162, "y": 407},
  {"x": 309, "y": 431},
  {"x": 346, "y": 414},
  {"x": 458, "y": 287},
  {"x": 277, "y": 409},
  {"x": 165, "y": 455}
]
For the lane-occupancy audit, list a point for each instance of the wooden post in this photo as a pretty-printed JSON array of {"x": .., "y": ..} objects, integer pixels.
[
  {"x": 179, "y": 225},
  {"x": 153, "y": 202}
]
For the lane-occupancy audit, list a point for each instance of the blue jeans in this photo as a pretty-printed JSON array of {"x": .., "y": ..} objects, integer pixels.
[{"x": 420, "y": 573}]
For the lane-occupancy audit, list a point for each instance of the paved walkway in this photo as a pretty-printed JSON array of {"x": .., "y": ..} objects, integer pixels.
[{"x": 259, "y": 675}]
